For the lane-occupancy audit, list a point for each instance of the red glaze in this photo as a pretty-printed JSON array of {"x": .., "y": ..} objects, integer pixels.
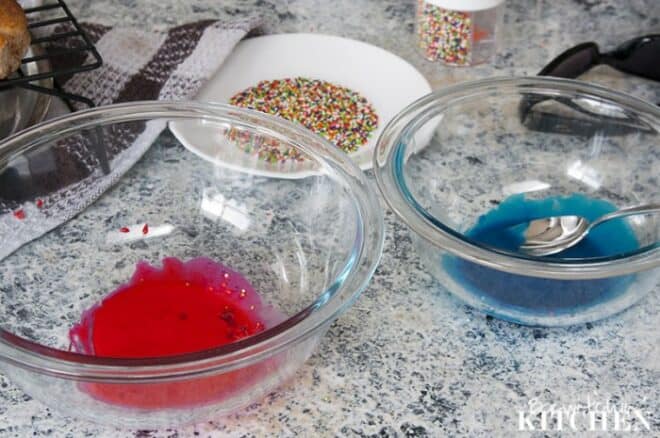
[{"x": 181, "y": 308}]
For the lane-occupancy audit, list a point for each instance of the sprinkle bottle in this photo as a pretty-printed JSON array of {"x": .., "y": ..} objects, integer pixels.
[{"x": 457, "y": 32}]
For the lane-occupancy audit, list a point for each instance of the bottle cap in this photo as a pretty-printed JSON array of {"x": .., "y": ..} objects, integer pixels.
[{"x": 466, "y": 5}]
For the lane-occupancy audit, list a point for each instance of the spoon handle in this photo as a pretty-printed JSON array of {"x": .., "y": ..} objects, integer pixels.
[{"x": 627, "y": 211}]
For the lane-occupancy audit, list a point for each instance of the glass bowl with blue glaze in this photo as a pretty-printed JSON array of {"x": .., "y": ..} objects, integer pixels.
[{"x": 464, "y": 167}]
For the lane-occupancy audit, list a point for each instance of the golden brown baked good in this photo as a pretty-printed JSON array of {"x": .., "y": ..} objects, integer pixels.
[{"x": 14, "y": 37}]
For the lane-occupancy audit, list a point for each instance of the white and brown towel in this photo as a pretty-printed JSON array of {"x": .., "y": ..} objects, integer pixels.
[
  {"x": 137, "y": 65},
  {"x": 169, "y": 65}
]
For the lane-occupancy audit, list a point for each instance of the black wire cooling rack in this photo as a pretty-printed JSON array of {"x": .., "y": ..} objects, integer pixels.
[{"x": 51, "y": 23}]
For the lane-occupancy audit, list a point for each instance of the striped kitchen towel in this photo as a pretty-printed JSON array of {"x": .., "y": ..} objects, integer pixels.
[
  {"x": 143, "y": 65},
  {"x": 137, "y": 65}
]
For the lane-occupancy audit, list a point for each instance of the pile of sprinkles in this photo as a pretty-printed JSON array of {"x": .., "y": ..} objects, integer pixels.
[
  {"x": 444, "y": 34},
  {"x": 339, "y": 114}
]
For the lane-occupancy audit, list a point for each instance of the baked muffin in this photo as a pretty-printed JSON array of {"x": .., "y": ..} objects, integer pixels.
[{"x": 14, "y": 37}]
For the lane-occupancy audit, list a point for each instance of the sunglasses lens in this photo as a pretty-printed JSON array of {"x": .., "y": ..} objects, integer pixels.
[
  {"x": 640, "y": 57},
  {"x": 573, "y": 62}
]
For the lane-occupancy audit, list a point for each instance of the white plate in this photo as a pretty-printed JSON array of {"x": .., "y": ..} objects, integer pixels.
[{"x": 387, "y": 81}]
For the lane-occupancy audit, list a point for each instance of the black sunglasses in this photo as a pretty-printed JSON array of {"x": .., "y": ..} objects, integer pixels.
[{"x": 639, "y": 56}]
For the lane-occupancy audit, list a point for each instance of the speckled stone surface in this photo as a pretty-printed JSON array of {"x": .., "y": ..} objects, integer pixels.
[{"x": 408, "y": 359}]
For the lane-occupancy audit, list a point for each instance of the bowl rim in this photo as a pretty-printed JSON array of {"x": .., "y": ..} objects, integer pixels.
[
  {"x": 390, "y": 150},
  {"x": 328, "y": 305}
]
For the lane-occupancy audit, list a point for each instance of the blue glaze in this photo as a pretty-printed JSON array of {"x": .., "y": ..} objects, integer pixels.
[
  {"x": 543, "y": 296},
  {"x": 502, "y": 228}
]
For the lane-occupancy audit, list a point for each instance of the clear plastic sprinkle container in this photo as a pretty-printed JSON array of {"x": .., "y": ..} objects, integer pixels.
[{"x": 458, "y": 32}]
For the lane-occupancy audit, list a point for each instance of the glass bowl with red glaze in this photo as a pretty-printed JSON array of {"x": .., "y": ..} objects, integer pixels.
[{"x": 159, "y": 267}]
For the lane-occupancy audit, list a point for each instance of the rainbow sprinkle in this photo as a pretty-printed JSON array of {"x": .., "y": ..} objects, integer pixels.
[
  {"x": 339, "y": 114},
  {"x": 444, "y": 34}
]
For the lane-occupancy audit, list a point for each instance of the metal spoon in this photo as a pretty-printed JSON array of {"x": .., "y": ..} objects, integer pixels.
[{"x": 555, "y": 234}]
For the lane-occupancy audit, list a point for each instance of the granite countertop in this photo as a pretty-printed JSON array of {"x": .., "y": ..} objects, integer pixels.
[{"x": 436, "y": 368}]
